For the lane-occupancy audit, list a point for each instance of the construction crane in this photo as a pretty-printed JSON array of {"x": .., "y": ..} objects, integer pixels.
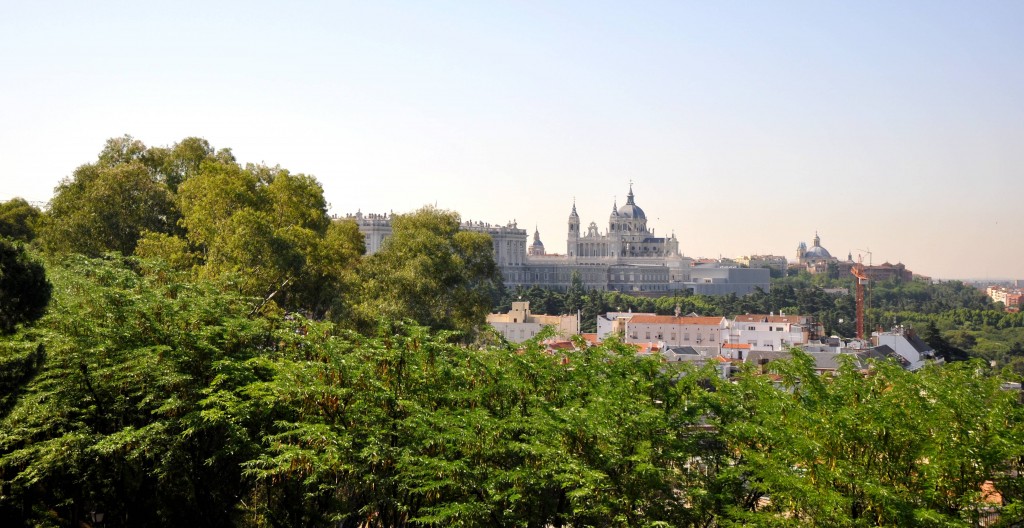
[
  {"x": 862, "y": 280},
  {"x": 860, "y": 258}
]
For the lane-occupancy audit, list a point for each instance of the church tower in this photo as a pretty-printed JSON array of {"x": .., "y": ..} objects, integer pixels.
[
  {"x": 574, "y": 232},
  {"x": 615, "y": 231}
]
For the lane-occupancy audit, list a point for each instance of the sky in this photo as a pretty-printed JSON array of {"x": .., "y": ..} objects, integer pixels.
[{"x": 744, "y": 127}]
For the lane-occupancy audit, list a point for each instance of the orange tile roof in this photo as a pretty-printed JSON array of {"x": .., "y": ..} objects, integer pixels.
[
  {"x": 990, "y": 494},
  {"x": 590, "y": 338},
  {"x": 670, "y": 319},
  {"x": 757, "y": 318},
  {"x": 736, "y": 345}
]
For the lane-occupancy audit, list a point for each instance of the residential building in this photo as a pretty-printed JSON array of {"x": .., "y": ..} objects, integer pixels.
[
  {"x": 775, "y": 262},
  {"x": 915, "y": 353},
  {"x": 773, "y": 332},
  {"x": 701, "y": 333},
  {"x": 613, "y": 323},
  {"x": 1010, "y": 297}
]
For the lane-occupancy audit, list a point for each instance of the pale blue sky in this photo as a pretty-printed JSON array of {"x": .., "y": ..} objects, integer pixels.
[{"x": 746, "y": 127}]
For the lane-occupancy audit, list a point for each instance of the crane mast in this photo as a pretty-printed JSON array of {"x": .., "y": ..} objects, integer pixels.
[{"x": 862, "y": 279}]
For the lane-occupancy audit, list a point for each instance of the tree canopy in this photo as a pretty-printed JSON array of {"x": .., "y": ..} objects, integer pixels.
[
  {"x": 24, "y": 289},
  {"x": 431, "y": 272},
  {"x": 215, "y": 350},
  {"x": 164, "y": 401},
  {"x": 18, "y": 219}
]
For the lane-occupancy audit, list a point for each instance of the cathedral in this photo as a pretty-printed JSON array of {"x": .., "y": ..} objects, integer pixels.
[
  {"x": 817, "y": 259},
  {"x": 627, "y": 257},
  {"x": 627, "y": 236}
]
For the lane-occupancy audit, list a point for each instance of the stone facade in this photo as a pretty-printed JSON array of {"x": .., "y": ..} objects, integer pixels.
[
  {"x": 519, "y": 324},
  {"x": 626, "y": 257},
  {"x": 887, "y": 271},
  {"x": 775, "y": 262},
  {"x": 701, "y": 333}
]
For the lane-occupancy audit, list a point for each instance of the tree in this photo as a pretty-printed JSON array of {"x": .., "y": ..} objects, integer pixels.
[
  {"x": 574, "y": 295},
  {"x": 209, "y": 199},
  {"x": 114, "y": 418},
  {"x": 121, "y": 150},
  {"x": 105, "y": 208},
  {"x": 270, "y": 230},
  {"x": 886, "y": 448},
  {"x": 296, "y": 199},
  {"x": 181, "y": 161},
  {"x": 18, "y": 219},
  {"x": 24, "y": 289},
  {"x": 170, "y": 250},
  {"x": 432, "y": 273}
]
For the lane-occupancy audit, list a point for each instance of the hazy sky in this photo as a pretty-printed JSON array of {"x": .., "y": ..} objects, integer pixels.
[{"x": 891, "y": 126}]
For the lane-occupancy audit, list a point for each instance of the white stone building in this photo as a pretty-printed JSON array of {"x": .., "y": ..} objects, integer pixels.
[
  {"x": 614, "y": 323},
  {"x": 701, "y": 333},
  {"x": 626, "y": 257}
]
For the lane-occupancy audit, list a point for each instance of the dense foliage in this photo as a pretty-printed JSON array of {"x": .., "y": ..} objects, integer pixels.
[
  {"x": 432, "y": 272},
  {"x": 24, "y": 289},
  {"x": 222, "y": 354},
  {"x": 18, "y": 220},
  {"x": 164, "y": 401}
]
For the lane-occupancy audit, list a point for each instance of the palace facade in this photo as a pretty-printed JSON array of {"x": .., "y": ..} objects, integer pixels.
[{"x": 626, "y": 257}]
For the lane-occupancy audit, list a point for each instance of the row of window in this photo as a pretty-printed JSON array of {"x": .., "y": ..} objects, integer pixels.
[{"x": 686, "y": 336}]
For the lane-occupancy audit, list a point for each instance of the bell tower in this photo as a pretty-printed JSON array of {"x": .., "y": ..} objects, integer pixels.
[{"x": 574, "y": 232}]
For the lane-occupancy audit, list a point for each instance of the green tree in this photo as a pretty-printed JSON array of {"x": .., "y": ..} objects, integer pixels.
[
  {"x": 105, "y": 208},
  {"x": 24, "y": 289},
  {"x": 891, "y": 448},
  {"x": 18, "y": 219},
  {"x": 296, "y": 200},
  {"x": 114, "y": 418},
  {"x": 432, "y": 273},
  {"x": 326, "y": 285},
  {"x": 181, "y": 161},
  {"x": 574, "y": 295},
  {"x": 209, "y": 199},
  {"x": 270, "y": 230}
]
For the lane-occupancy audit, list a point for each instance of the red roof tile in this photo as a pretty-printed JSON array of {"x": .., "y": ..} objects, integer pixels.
[
  {"x": 758, "y": 318},
  {"x": 669, "y": 319}
]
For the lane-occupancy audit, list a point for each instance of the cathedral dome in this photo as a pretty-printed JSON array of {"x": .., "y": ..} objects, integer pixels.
[
  {"x": 537, "y": 248},
  {"x": 630, "y": 209},
  {"x": 817, "y": 252}
]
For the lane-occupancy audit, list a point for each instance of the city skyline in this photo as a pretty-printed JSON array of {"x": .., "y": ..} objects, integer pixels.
[{"x": 745, "y": 129}]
